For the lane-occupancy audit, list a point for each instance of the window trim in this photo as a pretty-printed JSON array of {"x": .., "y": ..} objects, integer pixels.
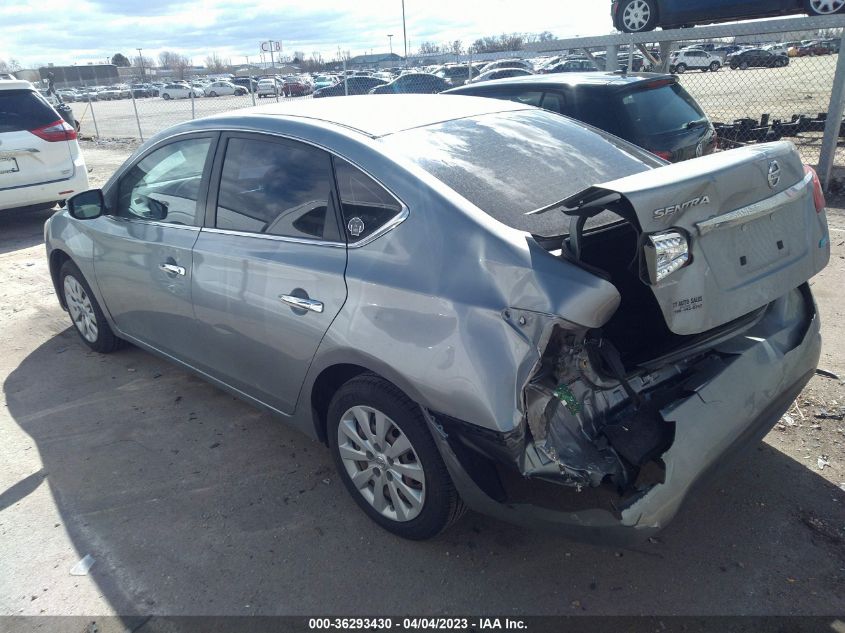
[
  {"x": 217, "y": 172},
  {"x": 202, "y": 199}
]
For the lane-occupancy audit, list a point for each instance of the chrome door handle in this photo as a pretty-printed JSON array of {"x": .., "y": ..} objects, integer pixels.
[
  {"x": 302, "y": 304},
  {"x": 173, "y": 269}
]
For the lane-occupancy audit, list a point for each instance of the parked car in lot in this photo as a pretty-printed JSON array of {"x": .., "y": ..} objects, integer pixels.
[
  {"x": 650, "y": 110},
  {"x": 569, "y": 66},
  {"x": 507, "y": 63},
  {"x": 812, "y": 49},
  {"x": 442, "y": 291},
  {"x": 67, "y": 95},
  {"x": 756, "y": 57},
  {"x": 297, "y": 87},
  {"x": 323, "y": 81},
  {"x": 40, "y": 161},
  {"x": 413, "y": 83},
  {"x": 180, "y": 91},
  {"x": 457, "y": 74},
  {"x": 249, "y": 84},
  {"x": 109, "y": 93},
  {"x": 694, "y": 59},
  {"x": 350, "y": 86},
  {"x": 632, "y": 16},
  {"x": 270, "y": 87},
  {"x": 219, "y": 88},
  {"x": 501, "y": 73}
]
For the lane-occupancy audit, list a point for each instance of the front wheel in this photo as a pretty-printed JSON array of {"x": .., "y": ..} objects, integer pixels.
[
  {"x": 637, "y": 15},
  {"x": 824, "y": 7},
  {"x": 715, "y": 66},
  {"x": 743, "y": 66},
  {"x": 166, "y": 96},
  {"x": 85, "y": 312},
  {"x": 387, "y": 459},
  {"x": 681, "y": 69},
  {"x": 212, "y": 94}
]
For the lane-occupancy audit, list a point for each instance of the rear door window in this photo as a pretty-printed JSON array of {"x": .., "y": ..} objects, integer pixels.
[
  {"x": 276, "y": 187},
  {"x": 24, "y": 110}
]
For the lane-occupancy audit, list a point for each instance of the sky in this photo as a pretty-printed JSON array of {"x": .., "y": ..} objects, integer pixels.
[{"x": 82, "y": 31}]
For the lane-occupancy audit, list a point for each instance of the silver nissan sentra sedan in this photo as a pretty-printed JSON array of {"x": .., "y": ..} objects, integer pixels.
[{"x": 473, "y": 303}]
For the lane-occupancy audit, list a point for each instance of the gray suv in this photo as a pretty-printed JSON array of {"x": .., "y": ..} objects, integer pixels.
[{"x": 472, "y": 302}]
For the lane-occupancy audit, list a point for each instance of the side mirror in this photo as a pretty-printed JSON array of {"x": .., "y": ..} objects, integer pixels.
[{"x": 86, "y": 205}]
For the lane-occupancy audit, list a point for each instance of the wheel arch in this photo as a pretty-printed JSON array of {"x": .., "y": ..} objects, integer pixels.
[{"x": 57, "y": 259}]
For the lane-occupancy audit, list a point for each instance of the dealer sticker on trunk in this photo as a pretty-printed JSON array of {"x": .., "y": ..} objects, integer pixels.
[{"x": 685, "y": 305}]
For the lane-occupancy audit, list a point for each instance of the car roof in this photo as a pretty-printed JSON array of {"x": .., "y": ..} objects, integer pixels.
[
  {"x": 571, "y": 79},
  {"x": 380, "y": 115},
  {"x": 15, "y": 84}
]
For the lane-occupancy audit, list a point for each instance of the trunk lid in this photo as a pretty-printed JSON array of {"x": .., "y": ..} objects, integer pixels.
[{"x": 752, "y": 226}]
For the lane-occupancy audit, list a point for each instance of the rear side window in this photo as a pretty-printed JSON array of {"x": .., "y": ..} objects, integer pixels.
[
  {"x": 24, "y": 110},
  {"x": 276, "y": 187},
  {"x": 367, "y": 206}
]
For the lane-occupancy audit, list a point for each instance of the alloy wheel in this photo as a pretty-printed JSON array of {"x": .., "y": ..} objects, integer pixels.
[
  {"x": 638, "y": 13},
  {"x": 80, "y": 309},
  {"x": 826, "y": 7},
  {"x": 381, "y": 463}
]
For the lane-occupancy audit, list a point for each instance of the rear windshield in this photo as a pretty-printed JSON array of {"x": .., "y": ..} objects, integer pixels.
[
  {"x": 510, "y": 163},
  {"x": 642, "y": 113},
  {"x": 24, "y": 110}
]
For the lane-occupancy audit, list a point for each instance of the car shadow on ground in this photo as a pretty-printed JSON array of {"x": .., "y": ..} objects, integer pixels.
[
  {"x": 22, "y": 228},
  {"x": 192, "y": 502}
]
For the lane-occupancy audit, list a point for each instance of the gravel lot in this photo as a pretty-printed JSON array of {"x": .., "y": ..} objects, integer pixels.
[{"x": 192, "y": 502}]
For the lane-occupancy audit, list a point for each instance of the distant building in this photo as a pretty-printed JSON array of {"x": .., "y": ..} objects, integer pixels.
[
  {"x": 376, "y": 60},
  {"x": 87, "y": 75}
]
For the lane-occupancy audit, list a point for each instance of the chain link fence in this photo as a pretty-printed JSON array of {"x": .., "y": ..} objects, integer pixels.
[{"x": 783, "y": 94}]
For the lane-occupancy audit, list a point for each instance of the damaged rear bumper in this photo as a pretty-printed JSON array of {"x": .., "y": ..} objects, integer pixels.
[{"x": 735, "y": 400}]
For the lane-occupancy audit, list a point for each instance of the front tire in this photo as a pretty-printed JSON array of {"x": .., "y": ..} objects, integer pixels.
[
  {"x": 743, "y": 66},
  {"x": 85, "y": 312},
  {"x": 636, "y": 16},
  {"x": 212, "y": 94},
  {"x": 681, "y": 69},
  {"x": 388, "y": 461},
  {"x": 715, "y": 66},
  {"x": 824, "y": 7},
  {"x": 166, "y": 96}
]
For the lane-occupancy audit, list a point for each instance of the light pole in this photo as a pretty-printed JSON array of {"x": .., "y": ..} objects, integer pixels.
[
  {"x": 404, "y": 32},
  {"x": 390, "y": 42},
  {"x": 141, "y": 63}
]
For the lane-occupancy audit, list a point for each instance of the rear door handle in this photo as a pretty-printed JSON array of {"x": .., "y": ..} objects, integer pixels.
[
  {"x": 173, "y": 269},
  {"x": 302, "y": 304}
]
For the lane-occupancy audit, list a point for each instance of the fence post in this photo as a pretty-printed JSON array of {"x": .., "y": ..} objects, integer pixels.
[
  {"x": 834, "y": 119},
  {"x": 345, "y": 78},
  {"x": 135, "y": 107},
  {"x": 665, "y": 53},
  {"x": 611, "y": 60},
  {"x": 469, "y": 68},
  {"x": 631, "y": 56},
  {"x": 93, "y": 117},
  {"x": 193, "y": 107},
  {"x": 252, "y": 90}
]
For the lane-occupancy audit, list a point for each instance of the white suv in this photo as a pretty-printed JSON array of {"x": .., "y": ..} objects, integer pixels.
[
  {"x": 693, "y": 58},
  {"x": 40, "y": 161}
]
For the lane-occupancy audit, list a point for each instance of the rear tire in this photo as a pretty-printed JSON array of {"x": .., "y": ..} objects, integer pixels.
[
  {"x": 743, "y": 66},
  {"x": 85, "y": 312},
  {"x": 383, "y": 489}
]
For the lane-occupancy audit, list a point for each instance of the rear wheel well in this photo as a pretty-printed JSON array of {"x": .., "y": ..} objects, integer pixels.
[
  {"x": 57, "y": 260},
  {"x": 328, "y": 382}
]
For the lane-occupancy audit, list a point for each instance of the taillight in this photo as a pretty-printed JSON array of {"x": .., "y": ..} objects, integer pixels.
[
  {"x": 57, "y": 131},
  {"x": 661, "y": 154},
  {"x": 818, "y": 194}
]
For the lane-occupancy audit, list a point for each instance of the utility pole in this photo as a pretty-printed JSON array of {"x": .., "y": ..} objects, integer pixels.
[
  {"x": 404, "y": 32},
  {"x": 141, "y": 63},
  {"x": 390, "y": 42}
]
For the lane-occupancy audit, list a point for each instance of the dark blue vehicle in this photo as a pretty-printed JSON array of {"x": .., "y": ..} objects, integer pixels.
[{"x": 632, "y": 16}]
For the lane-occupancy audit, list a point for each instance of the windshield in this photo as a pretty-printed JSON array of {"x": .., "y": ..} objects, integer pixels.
[{"x": 510, "y": 163}]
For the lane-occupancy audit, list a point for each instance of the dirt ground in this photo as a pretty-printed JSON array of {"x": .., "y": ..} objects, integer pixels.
[{"x": 192, "y": 502}]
